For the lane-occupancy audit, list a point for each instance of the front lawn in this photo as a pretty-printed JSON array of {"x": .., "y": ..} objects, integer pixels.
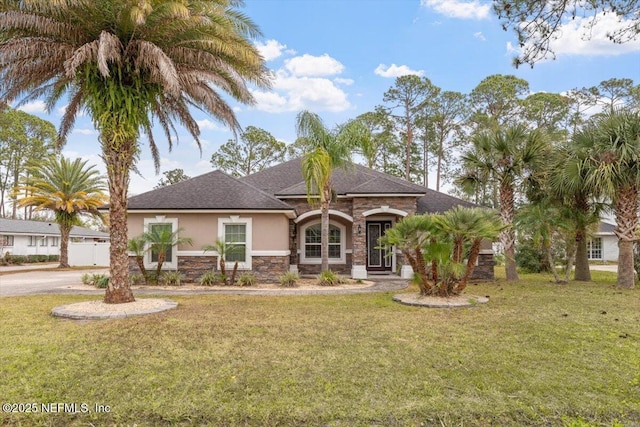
[{"x": 537, "y": 354}]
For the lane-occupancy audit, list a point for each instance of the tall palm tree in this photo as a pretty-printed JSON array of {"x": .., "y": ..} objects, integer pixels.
[
  {"x": 129, "y": 64},
  {"x": 613, "y": 168},
  {"x": 68, "y": 189},
  {"x": 160, "y": 241},
  {"x": 567, "y": 182},
  {"x": 509, "y": 157},
  {"x": 326, "y": 151}
]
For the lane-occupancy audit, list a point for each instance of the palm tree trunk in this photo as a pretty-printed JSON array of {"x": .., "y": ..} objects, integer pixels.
[
  {"x": 471, "y": 264},
  {"x": 583, "y": 273},
  {"x": 507, "y": 237},
  {"x": 65, "y": 230},
  {"x": 161, "y": 256},
  {"x": 626, "y": 209},
  {"x": 324, "y": 236},
  {"x": 119, "y": 161}
]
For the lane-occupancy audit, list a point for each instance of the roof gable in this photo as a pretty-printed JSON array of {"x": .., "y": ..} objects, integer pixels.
[{"x": 211, "y": 191}]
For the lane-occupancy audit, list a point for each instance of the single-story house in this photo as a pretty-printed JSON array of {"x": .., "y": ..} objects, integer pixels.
[
  {"x": 22, "y": 237},
  {"x": 266, "y": 216},
  {"x": 603, "y": 246}
]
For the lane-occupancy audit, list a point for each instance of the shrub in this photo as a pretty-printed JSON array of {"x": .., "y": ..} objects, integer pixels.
[
  {"x": 101, "y": 282},
  {"x": 329, "y": 278},
  {"x": 98, "y": 280},
  {"x": 289, "y": 279},
  {"x": 210, "y": 279},
  {"x": 136, "y": 279},
  {"x": 529, "y": 259},
  {"x": 171, "y": 278},
  {"x": 247, "y": 279}
]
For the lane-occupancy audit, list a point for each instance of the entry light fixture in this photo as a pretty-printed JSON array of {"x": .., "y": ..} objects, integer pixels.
[{"x": 359, "y": 229}]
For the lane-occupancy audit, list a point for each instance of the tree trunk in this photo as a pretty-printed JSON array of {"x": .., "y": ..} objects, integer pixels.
[
  {"x": 471, "y": 264},
  {"x": 324, "y": 231},
  {"x": 583, "y": 273},
  {"x": 439, "y": 169},
  {"x": 507, "y": 237},
  {"x": 626, "y": 210},
  {"x": 119, "y": 161},
  {"x": 65, "y": 230},
  {"x": 409, "y": 143},
  {"x": 161, "y": 256},
  {"x": 552, "y": 263}
]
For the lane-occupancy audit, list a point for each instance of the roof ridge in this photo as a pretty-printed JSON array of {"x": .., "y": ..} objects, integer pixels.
[{"x": 271, "y": 196}]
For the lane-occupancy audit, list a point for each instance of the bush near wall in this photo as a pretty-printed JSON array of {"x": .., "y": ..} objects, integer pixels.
[{"x": 9, "y": 259}]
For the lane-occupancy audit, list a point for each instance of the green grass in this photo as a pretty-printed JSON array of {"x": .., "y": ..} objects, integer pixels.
[{"x": 537, "y": 354}]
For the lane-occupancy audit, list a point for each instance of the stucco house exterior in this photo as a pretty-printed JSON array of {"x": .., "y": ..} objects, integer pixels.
[
  {"x": 267, "y": 216},
  {"x": 603, "y": 246},
  {"x": 22, "y": 237}
]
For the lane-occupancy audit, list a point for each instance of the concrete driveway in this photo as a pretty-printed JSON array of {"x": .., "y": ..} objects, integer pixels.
[{"x": 42, "y": 282}]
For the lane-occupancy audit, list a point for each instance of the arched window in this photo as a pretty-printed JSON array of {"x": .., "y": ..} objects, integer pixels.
[{"x": 311, "y": 250}]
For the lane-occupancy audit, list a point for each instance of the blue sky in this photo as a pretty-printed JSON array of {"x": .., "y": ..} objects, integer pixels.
[{"x": 338, "y": 57}]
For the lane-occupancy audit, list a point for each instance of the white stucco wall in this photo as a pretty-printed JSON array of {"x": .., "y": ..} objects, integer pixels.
[
  {"x": 21, "y": 247},
  {"x": 609, "y": 248}
]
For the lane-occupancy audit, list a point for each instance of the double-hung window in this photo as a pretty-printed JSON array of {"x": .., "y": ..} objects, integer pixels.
[
  {"x": 312, "y": 244},
  {"x": 161, "y": 224},
  {"x": 594, "y": 248},
  {"x": 235, "y": 236},
  {"x": 6, "y": 240}
]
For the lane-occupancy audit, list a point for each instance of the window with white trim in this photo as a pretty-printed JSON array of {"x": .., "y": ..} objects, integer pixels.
[
  {"x": 6, "y": 240},
  {"x": 55, "y": 241},
  {"x": 43, "y": 241},
  {"x": 235, "y": 235},
  {"x": 594, "y": 248},
  {"x": 312, "y": 243},
  {"x": 32, "y": 241},
  {"x": 237, "y": 232},
  {"x": 169, "y": 224}
]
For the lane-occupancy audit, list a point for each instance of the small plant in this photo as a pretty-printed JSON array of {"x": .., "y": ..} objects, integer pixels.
[
  {"x": 102, "y": 282},
  {"x": 86, "y": 279},
  {"x": 247, "y": 279},
  {"x": 136, "y": 279},
  {"x": 98, "y": 280},
  {"x": 329, "y": 278},
  {"x": 170, "y": 278},
  {"x": 289, "y": 279},
  {"x": 210, "y": 279}
]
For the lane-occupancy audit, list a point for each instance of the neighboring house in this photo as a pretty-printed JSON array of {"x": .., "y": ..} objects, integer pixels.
[
  {"x": 603, "y": 246},
  {"x": 20, "y": 237},
  {"x": 267, "y": 217}
]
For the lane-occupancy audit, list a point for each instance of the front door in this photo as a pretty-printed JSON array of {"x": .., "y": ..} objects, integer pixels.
[{"x": 377, "y": 259}]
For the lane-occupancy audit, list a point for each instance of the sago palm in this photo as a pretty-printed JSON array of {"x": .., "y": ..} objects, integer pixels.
[
  {"x": 160, "y": 241},
  {"x": 613, "y": 168},
  {"x": 508, "y": 158},
  {"x": 129, "y": 65},
  {"x": 68, "y": 188}
]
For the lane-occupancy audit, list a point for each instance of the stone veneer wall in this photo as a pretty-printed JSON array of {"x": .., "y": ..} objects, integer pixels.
[
  {"x": 193, "y": 267},
  {"x": 344, "y": 269},
  {"x": 269, "y": 268},
  {"x": 484, "y": 269},
  {"x": 363, "y": 204}
]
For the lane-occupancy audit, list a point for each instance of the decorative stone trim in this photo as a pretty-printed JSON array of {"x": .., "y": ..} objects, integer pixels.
[{"x": 269, "y": 268}]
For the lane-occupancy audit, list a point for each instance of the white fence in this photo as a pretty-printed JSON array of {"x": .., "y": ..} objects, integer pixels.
[{"x": 90, "y": 253}]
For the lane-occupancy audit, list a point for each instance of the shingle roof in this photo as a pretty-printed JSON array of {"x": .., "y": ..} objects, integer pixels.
[
  {"x": 605, "y": 227},
  {"x": 286, "y": 179},
  {"x": 18, "y": 226},
  {"x": 436, "y": 202},
  {"x": 213, "y": 190}
]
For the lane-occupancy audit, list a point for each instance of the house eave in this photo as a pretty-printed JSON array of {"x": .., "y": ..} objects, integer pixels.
[
  {"x": 290, "y": 213},
  {"x": 352, "y": 195}
]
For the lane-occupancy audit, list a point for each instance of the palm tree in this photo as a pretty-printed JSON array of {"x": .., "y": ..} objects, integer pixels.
[
  {"x": 161, "y": 240},
  {"x": 68, "y": 189},
  {"x": 567, "y": 182},
  {"x": 224, "y": 249},
  {"x": 129, "y": 65},
  {"x": 613, "y": 168},
  {"x": 138, "y": 246},
  {"x": 467, "y": 228},
  {"x": 326, "y": 151},
  {"x": 508, "y": 157}
]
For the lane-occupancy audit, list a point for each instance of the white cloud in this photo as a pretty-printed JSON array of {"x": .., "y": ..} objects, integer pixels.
[
  {"x": 459, "y": 9},
  {"x": 34, "y": 107},
  {"x": 85, "y": 131},
  {"x": 479, "y": 36},
  {"x": 208, "y": 124},
  {"x": 346, "y": 82},
  {"x": 394, "y": 70},
  {"x": 271, "y": 49},
  {"x": 309, "y": 65},
  {"x": 577, "y": 37}
]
